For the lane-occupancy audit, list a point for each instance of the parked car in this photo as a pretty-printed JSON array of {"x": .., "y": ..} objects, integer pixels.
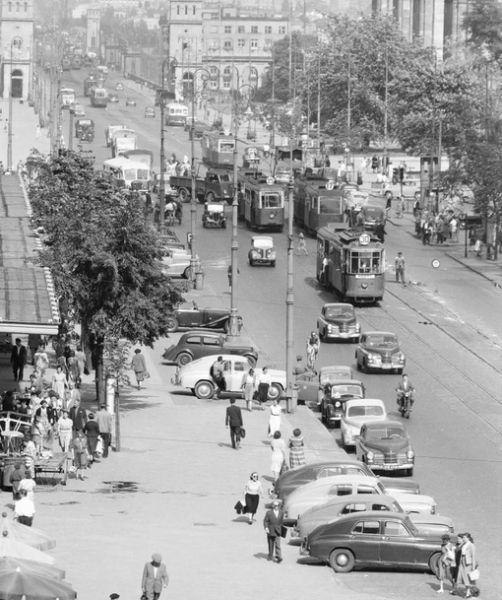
[
  {"x": 114, "y": 98},
  {"x": 176, "y": 263},
  {"x": 130, "y": 102},
  {"x": 338, "y": 321},
  {"x": 375, "y": 540},
  {"x": 325, "y": 489},
  {"x": 214, "y": 215},
  {"x": 262, "y": 251},
  {"x": 119, "y": 87},
  {"x": 311, "y": 386},
  {"x": 333, "y": 510},
  {"x": 340, "y": 465},
  {"x": 385, "y": 446},
  {"x": 150, "y": 112},
  {"x": 355, "y": 414},
  {"x": 335, "y": 396},
  {"x": 380, "y": 351},
  {"x": 196, "y": 377},
  {"x": 190, "y": 316},
  {"x": 197, "y": 344},
  {"x": 78, "y": 111}
]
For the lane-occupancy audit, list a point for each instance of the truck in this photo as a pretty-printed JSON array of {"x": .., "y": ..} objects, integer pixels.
[
  {"x": 144, "y": 157},
  {"x": 123, "y": 140},
  {"x": 109, "y": 131},
  {"x": 215, "y": 185}
]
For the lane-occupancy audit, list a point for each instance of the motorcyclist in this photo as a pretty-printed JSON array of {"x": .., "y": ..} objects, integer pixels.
[
  {"x": 405, "y": 387},
  {"x": 313, "y": 345}
]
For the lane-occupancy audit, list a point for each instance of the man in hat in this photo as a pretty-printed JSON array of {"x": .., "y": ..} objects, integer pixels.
[
  {"x": 273, "y": 523},
  {"x": 300, "y": 368},
  {"x": 154, "y": 577}
]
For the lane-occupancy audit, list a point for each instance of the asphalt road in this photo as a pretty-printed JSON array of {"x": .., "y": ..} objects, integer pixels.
[{"x": 448, "y": 321}]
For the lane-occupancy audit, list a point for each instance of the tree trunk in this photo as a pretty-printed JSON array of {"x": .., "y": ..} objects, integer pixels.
[
  {"x": 117, "y": 418},
  {"x": 97, "y": 350}
]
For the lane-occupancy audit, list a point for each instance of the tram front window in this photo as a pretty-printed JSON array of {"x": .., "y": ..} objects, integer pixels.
[
  {"x": 366, "y": 262},
  {"x": 227, "y": 147},
  {"x": 330, "y": 206},
  {"x": 270, "y": 201}
]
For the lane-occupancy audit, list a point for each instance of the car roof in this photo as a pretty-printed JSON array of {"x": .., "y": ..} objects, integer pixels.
[
  {"x": 367, "y": 333},
  {"x": 345, "y": 382},
  {"x": 337, "y": 304},
  {"x": 262, "y": 237},
  {"x": 366, "y": 402},
  {"x": 331, "y": 368},
  {"x": 373, "y": 514},
  {"x": 212, "y": 358},
  {"x": 338, "y": 479},
  {"x": 382, "y": 498},
  {"x": 204, "y": 332},
  {"x": 386, "y": 423}
]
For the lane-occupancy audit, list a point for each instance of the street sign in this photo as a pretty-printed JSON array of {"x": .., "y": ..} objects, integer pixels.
[
  {"x": 364, "y": 239},
  {"x": 330, "y": 186},
  {"x": 270, "y": 180},
  {"x": 435, "y": 263}
]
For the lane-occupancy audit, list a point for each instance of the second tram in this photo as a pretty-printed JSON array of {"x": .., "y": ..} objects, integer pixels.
[
  {"x": 317, "y": 203},
  {"x": 99, "y": 96},
  {"x": 352, "y": 263},
  {"x": 261, "y": 201},
  {"x": 218, "y": 149},
  {"x": 89, "y": 83},
  {"x": 175, "y": 114}
]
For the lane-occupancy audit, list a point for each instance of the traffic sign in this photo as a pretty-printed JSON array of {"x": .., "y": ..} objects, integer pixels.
[
  {"x": 270, "y": 180},
  {"x": 330, "y": 186},
  {"x": 364, "y": 239}
]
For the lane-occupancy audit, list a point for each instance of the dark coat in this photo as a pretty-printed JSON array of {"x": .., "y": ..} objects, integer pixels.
[
  {"x": 91, "y": 429},
  {"x": 78, "y": 416},
  {"x": 234, "y": 416},
  {"x": 18, "y": 356},
  {"x": 272, "y": 523}
]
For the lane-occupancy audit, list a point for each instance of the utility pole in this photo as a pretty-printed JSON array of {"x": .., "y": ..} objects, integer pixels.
[{"x": 290, "y": 299}]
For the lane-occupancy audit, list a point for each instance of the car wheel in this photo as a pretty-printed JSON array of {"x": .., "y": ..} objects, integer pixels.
[
  {"x": 399, "y": 371},
  {"x": 364, "y": 367},
  {"x": 226, "y": 326},
  {"x": 358, "y": 365},
  {"x": 186, "y": 273},
  {"x": 274, "y": 391},
  {"x": 204, "y": 390},
  {"x": 272, "y": 263},
  {"x": 210, "y": 197},
  {"x": 184, "y": 358},
  {"x": 251, "y": 359},
  {"x": 224, "y": 225},
  {"x": 251, "y": 263},
  {"x": 342, "y": 560},
  {"x": 322, "y": 337},
  {"x": 172, "y": 324},
  {"x": 434, "y": 563}
]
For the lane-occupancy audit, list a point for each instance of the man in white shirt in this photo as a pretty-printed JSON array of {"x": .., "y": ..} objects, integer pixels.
[
  {"x": 29, "y": 485},
  {"x": 154, "y": 578},
  {"x": 24, "y": 509}
]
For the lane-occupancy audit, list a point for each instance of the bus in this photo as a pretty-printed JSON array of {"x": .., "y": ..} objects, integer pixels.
[
  {"x": 89, "y": 83},
  {"x": 317, "y": 203},
  {"x": 218, "y": 149},
  {"x": 68, "y": 97},
  {"x": 175, "y": 114},
  {"x": 126, "y": 173},
  {"x": 261, "y": 201},
  {"x": 76, "y": 63},
  {"x": 355, "y": 266},
  {"x": 99, "y": 96}
]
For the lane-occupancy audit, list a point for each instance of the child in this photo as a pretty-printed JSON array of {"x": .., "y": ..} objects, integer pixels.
[{"x": 15, "y": 478}]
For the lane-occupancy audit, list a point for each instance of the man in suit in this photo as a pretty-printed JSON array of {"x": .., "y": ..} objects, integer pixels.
[
  {"x": 154, "y": 578},
  {"x": 234, "y": 421},
  {"x": 18, "y": 360},
  {"x": 273, "y": 523},
  {"x": 79, "y": 417}
]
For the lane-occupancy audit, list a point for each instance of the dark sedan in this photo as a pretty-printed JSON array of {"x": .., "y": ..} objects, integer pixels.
[
  {"x": 289, "y": 481},
  {"x": 335, "y": 396},
  {"x": 192, "y": 346},
  {"x": 375, "y": 540},
  {"x": 338, "y": 321},
  {"x": 380, "y": 351},
  {"x": 190, "y": 316}
]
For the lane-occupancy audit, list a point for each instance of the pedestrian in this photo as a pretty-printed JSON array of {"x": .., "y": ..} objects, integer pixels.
[
  {"x": 40, "y": 361},
  {"x": 399, "y": 264},
  {"x": 73, "y": 395},
  {"x": 278, "y": 454},
  {"x": 252, "y": 493},
  {"x": 38, "y": 132},
  {"x": 18, "y": 360},
  {"x": 138, "y": 365},
  {"x": 73, "y": 368},
  {"x": 388, "y": 204},
  {"x": 24, "y": 509},
  {"x": 233, "y": 419},
  {"x": 454, "y": 229},
  {"x": 34, "y": 341},
  {"x": 273, "y": 523},
  {"x": 37, "y": 434},
  {"x": 468, "y": 563},
  {"x": 263, "y": 386},
  {"x": 154, "y": 578},
  {"x": 229, "y": 274},
  {"x": 379, "y": 231},
  {"x": 446, "y": 562},
  {"x": 91, "y": 430},
  {"x": 81, "y": 360},
  {"x": 296, "y": 450},
  {"x": 48, "y": 416},
  {"x": 104, "y": 420},
  {"x": 274, "y": 423},
  {"x": 15, "y": 479},
  {"x": 249, "y": 387},
  {"x": 458, "y": 555},
  {"x": 64, "y": 431},
  {"x": 217, "y": 376},
  {"x": 374, "y": 164},
  {"x": 59, "y": 381},
  {"x": 302, "y": 245},
  {"x": 300, "y": 367},
  {"x": 28, "y": 485},
  {"x": 78, "y": 416},
  {"x": 29, "y": 453},
  {"x": 416, "y": 207},
  {"x": 360, "y": 221},
  {"x": 80, "y": 457}
]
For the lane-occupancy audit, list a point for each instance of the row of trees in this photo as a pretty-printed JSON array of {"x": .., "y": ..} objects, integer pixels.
[{"x": 103, "y": 253}]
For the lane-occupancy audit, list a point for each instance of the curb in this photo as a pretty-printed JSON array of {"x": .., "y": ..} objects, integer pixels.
[{"x": 473, "y": 269}]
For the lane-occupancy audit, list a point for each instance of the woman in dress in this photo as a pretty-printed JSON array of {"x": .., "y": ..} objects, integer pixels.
[
  {"x": 40, "y": 361},
  {"x": 296, "y": 450},
  {"x": 79, "y": 446},
  {"x": 248, "y": 385},
  {"x": 73, "y": 368},
  {"x": 91, "y": 430},
  {"x": 274, "y": 423},
  {"x": 37, "y": 434},
  {"x": 81, "y": 360},
  {"x": 446, "y": 562},
  {"x": 138, "y": 365},
  {"x": 467, "y": 563},
  {"x": 30, "y": 454},
  {"x": 64, "y": 429},
  {"x": 59, "y": 381},
  {"x": 252, "y": 493},
  {"x": 278, "y": 454}
]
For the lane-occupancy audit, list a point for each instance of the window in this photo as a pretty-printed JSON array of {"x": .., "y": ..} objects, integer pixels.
[
  {"x": 395, "y": 529},
  {"x": 213, "y": 85},
  {"x": 353, "y": 507},
  {"x": 214, "y": 44},
  {"x": 228, "y": 29},
  {"x": 365, "y": 489},
  {"x": 270, "y": 201},
  {"x": 178, "y": 9},
  {"x": 213, "y": 71},
  {"x": 193, "y": 340},
  {"x": 367, "y": 527},
  {"x": 227, "y": 45},
  {"x": 253, "y": 44},
  {"x": 341, "y": 490},
  {"x": 253, "y": 73},
  {"x": 193, "y": 9},
  {"x": 227, "y": 365},
  {"x": 241, "y": 43},
  {"x": 213, "y": 29},
  {"x": 226, "y": 84},
  {"x": 254, "y": 28},
  {"x": 380, "y": 506},
  {"x": 211, "y": 341},
  {"x": 240, "y": 366},
  {"x": 227, "y": 71},
  {"x": 268, "y": 29},
  {"x": 330, "y": 471},
  {"x": 186, "y": 10},
  {"x": 268, "y": 44},
  {"x": 282, "y": 30},
  {"x": 241, "y": 29}
]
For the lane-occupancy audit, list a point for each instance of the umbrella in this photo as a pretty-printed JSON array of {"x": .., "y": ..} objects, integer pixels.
[
  {"x": 16, "y": 584},
  {"x": 10, "y": 564},
  {"x": 26, "y": 535},
  {"x": 14, "y": 549}
]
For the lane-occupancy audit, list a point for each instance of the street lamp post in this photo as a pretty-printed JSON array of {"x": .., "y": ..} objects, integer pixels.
[
  {"x": 9, "y": 126},
  {"x": 162, "y": 183}
]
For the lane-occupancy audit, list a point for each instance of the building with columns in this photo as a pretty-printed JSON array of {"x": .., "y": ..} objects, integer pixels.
[
  {"x": 93, "y": 29},
  {"x": 16, "y": 34}
]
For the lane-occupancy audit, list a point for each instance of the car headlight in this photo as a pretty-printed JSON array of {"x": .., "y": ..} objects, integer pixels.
[
  {"x": 272, "y": 255},
  {"x": 331, "y": 329},
  {"x": 255, "y": 254},
  {"x": 374, "y": 358},
  {"x": 398, "y": 357},
  {"x": 358, "y": 327},
  {"x": 410, "y": 454},
  {"x": 338, "y": 404},
  {"x": 370, "y": 455}
]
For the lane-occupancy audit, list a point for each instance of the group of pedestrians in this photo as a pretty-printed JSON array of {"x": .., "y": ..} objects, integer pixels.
[
  {"x": 436, "y": 228},
  {"x": 458, "y": 565}
]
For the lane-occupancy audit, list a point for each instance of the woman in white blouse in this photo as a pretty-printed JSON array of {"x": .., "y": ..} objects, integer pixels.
[{"x": 252, "y": 493}]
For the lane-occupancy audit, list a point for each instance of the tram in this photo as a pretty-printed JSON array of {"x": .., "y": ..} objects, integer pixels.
[
  {"x": 68, "y": 97},
  {"x": 261, "y": 201},
  {"x": 99, "y": 96},
  {"x": 317, "y": 203},
  {"x": 218, "y": 149},
  {"x": 66, "y": 64},
  {"x": 175, "y": 114},
  {"x": 89, "y": 83},
  {"x": 355, "y": 266},
  {"x": 126, "y": 173},
  {"x": 76, "y": 63}
]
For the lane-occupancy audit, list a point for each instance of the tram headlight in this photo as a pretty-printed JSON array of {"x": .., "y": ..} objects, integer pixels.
[{"x": 272, "y": 216}]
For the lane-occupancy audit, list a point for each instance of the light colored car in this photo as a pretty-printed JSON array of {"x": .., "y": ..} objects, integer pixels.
[
  {"x": 150, "y": 112},
  {"x": 176, "y": 263},
  {"x": 323, "y": 490},
  {"x": 344, "y": 505},
  {"x": 355, "y": 414},
  {"x": 262, "y": 251},
  {"x": 196, "y": 376},
  {"x": 78, "y": 111}
]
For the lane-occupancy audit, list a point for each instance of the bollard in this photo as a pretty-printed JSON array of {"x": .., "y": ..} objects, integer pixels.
[{"x": 199, "y": 280}]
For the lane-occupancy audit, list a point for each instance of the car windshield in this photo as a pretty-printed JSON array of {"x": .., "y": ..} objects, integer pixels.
[
  {"x": 263, "y": 243},
  {"x": 365, "y": 411},
  {"x": 330, "y": 376},
  {"x": 339, "y": 311},
  {"x": 385, "y": 433},
  {"x": 225, "y": 178},
  {"x": 373, "y": 211},
  {"x": 338, "y": 391},
  {"x": 381, "y": 341},
  {"x": 330, "y": 174},
  {"x": 215, "y": 208}
]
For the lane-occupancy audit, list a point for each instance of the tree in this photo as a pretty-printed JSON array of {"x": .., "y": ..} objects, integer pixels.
[
  {"x": 483, "y": 23},
  {"x": 104, "y": 255}
]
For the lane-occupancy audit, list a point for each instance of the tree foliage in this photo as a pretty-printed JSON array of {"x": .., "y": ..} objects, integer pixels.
[{"x": 483, "y": 23}]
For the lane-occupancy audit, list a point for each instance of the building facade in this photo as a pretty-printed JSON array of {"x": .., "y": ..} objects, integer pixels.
[{"x": 93, "y": 29}]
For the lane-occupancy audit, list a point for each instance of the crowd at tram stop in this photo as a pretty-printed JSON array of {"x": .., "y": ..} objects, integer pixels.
[{"x": 53, "y": 406}]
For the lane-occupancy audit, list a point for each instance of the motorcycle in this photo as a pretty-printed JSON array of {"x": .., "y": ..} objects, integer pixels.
[{"x": 405, "y": 403}]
